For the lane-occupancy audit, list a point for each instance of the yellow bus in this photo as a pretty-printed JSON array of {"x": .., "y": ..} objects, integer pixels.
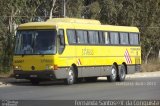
[{"x": 73, "y": 49}]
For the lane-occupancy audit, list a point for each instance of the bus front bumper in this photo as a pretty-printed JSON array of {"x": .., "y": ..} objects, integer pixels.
[{"x": 43, "y": 75}]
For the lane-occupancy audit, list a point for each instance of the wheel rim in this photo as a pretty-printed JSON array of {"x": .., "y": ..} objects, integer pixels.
[
  {"x": 122, "y": 72},
  {"x": 70, "y": 77},
  {"x": 114, "y": 73}
]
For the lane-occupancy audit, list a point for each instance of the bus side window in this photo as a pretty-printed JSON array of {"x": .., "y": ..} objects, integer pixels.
[
  {"x": 93, "y": 37},
  {"x": 61, "y": 41},
  {"x": 134, "y": 38},
  {"x": 124, "y": 38},
  {"x": 85, "y": 37},
  {"x": 105, "y": 34},
  {"x": 81, "y": 37},
  {"x": 114, "y": 37},
  {"x": 101, "y": 38},
  {"x": 71, "y": 34}
]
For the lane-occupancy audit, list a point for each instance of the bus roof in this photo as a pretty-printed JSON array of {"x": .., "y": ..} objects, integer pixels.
[
  {"x": 74, "y": 23},
  {"x": 37, "y": 25},
  {"x": 74, "y": 20}
]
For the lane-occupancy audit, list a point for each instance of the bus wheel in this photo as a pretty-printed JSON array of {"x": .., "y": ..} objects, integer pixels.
[
  {"x": 113, "y": 76},
  {"x": 70, "y": 77},
  {"x": 122, "y": 73},
  {"x": 34, "y": 81}
]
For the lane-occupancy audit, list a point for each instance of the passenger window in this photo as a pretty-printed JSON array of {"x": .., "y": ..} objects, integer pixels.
[
  {"x": 106, "y": 37},
  {"x": 61, "y": 41},
  {"x": 101, "y": 38},
  {"x": 82, "y": 37},
  {"x": 134, "y": 38},
  {"x": 85, "y": 37},
  {"x": 93, "y": 37},
  {"x": 124, "y": 38},
  {"x": 114, "y": 38},
  {"x": 71, "y": 36}
]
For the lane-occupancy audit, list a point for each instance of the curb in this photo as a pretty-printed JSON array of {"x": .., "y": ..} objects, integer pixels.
[
  {"x": 139, "y": 75},
  {"x": 144, "y": 75},
  {"x": 2, "y": 84},
  {"x": 4, "y": 81}
]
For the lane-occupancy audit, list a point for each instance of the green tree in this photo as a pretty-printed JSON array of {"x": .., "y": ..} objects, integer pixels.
[{"x": 74, "y": 8}]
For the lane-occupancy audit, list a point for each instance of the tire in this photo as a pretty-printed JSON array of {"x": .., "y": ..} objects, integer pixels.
[
  {"x": 91, "y": 79},
  {"x": 35, "y": 81},
  {"x": 113, "y": 76},
  {"x": 71, "y": 77},
  {"x": 121, "y": 74}
]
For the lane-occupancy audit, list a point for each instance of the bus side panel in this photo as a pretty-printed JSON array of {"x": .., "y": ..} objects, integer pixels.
[
  {"x": 91, "y": 61},
  {"x": 61, "y": 73}
]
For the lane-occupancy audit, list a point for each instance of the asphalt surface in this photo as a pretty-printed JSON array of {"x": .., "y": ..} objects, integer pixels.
[{"x": 145, "y": 88}]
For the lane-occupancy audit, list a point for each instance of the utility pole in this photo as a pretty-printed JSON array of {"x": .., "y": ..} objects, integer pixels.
[
  {"x": 64, "y": 8},
  {"x": 159, "y": 55}
]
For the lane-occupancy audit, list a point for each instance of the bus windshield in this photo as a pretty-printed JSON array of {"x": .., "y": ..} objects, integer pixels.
[{"x": 35, "y": 42}]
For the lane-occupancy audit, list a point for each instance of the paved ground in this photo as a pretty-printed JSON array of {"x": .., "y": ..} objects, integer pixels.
[{"x": 138, "y": 86}]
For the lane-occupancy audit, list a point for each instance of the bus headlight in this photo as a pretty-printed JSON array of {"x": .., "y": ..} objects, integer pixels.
[
  {"x": 17, "y": 67},
  {"x": 49, "y": 67}
]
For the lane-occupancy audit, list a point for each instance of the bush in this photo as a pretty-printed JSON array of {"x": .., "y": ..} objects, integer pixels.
[{"x": 151, "y": 66}]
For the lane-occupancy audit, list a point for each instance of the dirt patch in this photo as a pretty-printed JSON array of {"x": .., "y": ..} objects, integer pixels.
[
  {"x": 150, "y": 67},
  {"x": 6, "y": 75}
]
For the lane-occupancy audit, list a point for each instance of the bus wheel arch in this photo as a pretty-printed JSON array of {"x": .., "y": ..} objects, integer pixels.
[
  {"x": 114, "y": 72},
  {"x": 122, "y": 72},
  {"x": 72, "y": 75},
  {"x": 125, "y": 67},
  {"x": 116, "y": 65},
  {"x": 75, "y": 69}
]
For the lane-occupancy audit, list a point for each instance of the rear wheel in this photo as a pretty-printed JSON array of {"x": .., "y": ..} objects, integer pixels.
[
  {"x": 113, "y": 76},
  {"x": 122, "y": 73},
  {"x": 71, "y": 78}
]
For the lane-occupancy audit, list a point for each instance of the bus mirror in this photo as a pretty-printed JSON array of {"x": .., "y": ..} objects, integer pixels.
[
  {"x": 60, "y": 39},
  {"x": 57, "y": 28}
]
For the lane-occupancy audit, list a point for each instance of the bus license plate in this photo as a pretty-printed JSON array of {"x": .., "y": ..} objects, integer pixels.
[{"x": 33, "y": 76}]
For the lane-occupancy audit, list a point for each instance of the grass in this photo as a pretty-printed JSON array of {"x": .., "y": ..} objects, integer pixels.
[
  {"x": 151, "y": 66},
  {"x": 5, "y": 75}
]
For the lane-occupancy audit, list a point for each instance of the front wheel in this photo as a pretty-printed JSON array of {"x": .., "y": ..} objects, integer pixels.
[
  {"x": 122, "y": 73},
  {"x": 113, "y": 76},
  {"x": 71, "y": 79}
]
